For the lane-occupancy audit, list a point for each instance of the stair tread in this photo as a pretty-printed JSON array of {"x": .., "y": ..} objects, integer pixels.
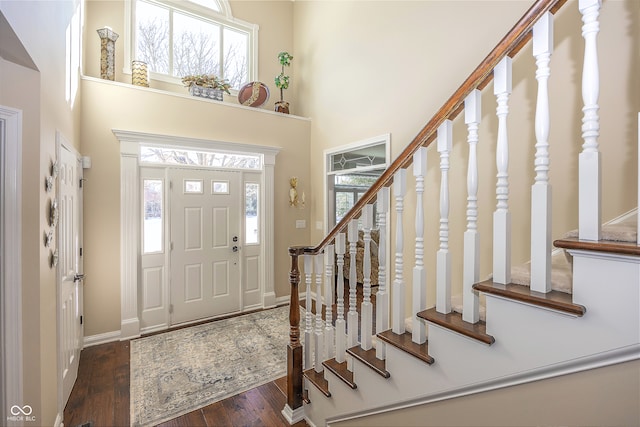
[
  {"x": 341, "y": 371},
  {"x": 368, "y": 357},
  {"x": 405, "y": 343},
  {"x": 622, "y": 248},
  {"x": 454, "y": 322},
  {"x": 555, "y": 300},
  {"x": 318, "y": 379}
]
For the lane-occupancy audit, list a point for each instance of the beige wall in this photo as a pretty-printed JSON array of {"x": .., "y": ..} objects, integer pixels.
[
  {"x": 273, "y": 17},
  {"x": 47, "y": 108},
  {"x": 125, "y": 107},
  {"x": 361, "y": 68},
  {"x": 391, "y": 71},
  {"x": 605, "y": 396}
]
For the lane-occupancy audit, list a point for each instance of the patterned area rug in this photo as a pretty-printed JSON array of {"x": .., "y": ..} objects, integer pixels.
[{"x": 177, "y": 372}]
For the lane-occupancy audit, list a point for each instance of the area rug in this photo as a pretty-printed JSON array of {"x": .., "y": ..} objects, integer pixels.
[{"x": 180, "y": 371}]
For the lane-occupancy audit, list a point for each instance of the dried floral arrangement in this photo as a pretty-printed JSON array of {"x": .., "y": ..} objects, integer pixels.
[{"x": 207, "y": 80}]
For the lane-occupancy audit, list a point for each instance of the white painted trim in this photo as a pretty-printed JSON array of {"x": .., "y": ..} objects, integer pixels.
[
  {"x": 11, "y": 261},
  {"x": 58, "y": 422},
  {"x": 604, "y": 256},
  {"x": 600, "y": 360},
  {"x": 130, "y": 204},
  {"x": 98, "y": 339},
  {"x": 308, "y": 421},
  {"x": 293, "y": 415}
]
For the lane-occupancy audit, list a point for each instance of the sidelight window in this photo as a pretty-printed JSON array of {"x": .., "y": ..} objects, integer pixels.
[
  {"x": 153, "y": 208},
  {"x": 251, "y": 211}
]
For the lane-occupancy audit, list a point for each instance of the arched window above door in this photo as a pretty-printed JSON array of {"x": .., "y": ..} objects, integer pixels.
[{"x": 180, "y": 38}]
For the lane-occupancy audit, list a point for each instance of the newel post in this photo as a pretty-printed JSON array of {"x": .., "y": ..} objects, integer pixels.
[{"x": 294, "y": 410}]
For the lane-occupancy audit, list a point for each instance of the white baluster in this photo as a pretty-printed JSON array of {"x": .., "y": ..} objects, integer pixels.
[
  {"x": 419, "y": 329},
  {"x": 589, "y": 193},
  {"x": 502, "y": 216},
  {"x": 443, "y": 258},
  {"x": 471, "y": 272},
  {"x": 366, "y": 309},
  {"x": 399, "y": 190},
  {"x": 382, "y": 296},
  {"x": 541, "y": 190},
  {"x": 317, "y": 343},
  {"x": 341, "y": 337},
  {"x": 329, "y": 257},
  {"x": 308, "y": 326},
  {"x": 352, "y": 317}
]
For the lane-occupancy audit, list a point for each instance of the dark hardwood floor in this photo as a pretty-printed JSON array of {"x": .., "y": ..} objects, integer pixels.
[{"x": 100, "y": 396}]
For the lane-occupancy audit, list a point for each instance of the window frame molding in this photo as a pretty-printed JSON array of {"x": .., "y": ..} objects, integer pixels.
[
  {"x": 223, "y": 18},
  {"x": 327, "y": 191}
]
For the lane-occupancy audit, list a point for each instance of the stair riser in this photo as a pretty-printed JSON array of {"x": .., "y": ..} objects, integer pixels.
[{"x": 527, "y": 337}]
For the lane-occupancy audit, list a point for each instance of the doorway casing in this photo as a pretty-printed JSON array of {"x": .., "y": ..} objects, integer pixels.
[
  {"x": 130, "y": 216},
  {"x": 11, "y": 369}
]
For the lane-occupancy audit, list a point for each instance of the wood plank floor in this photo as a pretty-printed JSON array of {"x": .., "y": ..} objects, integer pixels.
[{"x": 100, "y": 396}]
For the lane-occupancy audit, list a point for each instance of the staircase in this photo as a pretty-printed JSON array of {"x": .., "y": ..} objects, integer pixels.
[{"x": 522, "y": 324}]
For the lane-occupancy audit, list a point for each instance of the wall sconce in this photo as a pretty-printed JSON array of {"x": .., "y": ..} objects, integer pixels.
[
  {"x": 294, "y": 200},
  {"x": 139, "y": 73},
  {"x": 107, "y": 53}
]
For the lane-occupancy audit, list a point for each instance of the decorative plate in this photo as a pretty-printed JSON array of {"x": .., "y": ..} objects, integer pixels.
[
  {"x": 253, "y": 94},
  {"x": 48, "y": 184},
  {"x": 48, "y": 238},
  {"x": 53, "y": 213}
]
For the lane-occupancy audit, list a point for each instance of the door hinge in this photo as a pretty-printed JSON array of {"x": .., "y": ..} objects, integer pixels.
[
  {"x": 170, "y": 185},
  {"x": 170, "y": 308},
  {"x": 80, "y": 251},
  {"x": 171, "y": 246},
  {"x": 80, "y": 182},
  {"x": 81, "y": 319}
]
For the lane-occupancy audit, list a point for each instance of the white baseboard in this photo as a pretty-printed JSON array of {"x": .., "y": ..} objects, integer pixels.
[
  {"x": 293, "y": 415},
  {"x": 92, "y": 340}
]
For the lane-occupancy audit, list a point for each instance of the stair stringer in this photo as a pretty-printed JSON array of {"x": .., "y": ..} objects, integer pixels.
[{"x": 527, "y": 338}]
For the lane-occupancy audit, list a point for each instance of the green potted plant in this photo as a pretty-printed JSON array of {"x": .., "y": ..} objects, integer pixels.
[
  {"x": 206, "y": 86},
  {"x": 282, "y": 82}
]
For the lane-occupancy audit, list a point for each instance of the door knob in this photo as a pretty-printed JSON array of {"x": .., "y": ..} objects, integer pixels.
[
  {"x": 78, "y": 277},
  {"x": 235, "y": 249},
  {"x": 235, "y": 238}
]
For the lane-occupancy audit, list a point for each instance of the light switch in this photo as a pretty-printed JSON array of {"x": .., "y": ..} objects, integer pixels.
[{"x": 301, "y": 223}]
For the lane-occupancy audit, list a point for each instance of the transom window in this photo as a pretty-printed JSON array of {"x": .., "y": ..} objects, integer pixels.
[
  {"x": 210, "y": 159},
  {"x": 351, "y": 170},
  {"x": 194, "y": 37}
]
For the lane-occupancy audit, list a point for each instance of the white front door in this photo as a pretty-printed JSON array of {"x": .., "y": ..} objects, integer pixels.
[
  {"x": 69, "y": 207},
  {"x": 205, "y": 243}
]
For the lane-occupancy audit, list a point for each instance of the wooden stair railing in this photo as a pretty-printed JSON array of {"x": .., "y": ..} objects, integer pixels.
[{"x": 496, "y": 65}]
